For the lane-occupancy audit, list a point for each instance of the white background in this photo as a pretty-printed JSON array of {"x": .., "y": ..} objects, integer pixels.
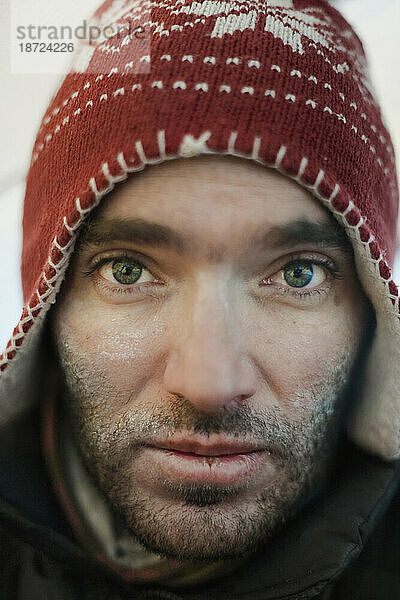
[{"x": 24, "y": 98}]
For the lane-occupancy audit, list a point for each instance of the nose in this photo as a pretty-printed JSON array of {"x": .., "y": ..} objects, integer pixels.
[{"x": 206, "y": 363}]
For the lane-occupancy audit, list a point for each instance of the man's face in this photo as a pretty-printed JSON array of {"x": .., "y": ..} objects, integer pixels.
[{"x": 206, "y": 331}]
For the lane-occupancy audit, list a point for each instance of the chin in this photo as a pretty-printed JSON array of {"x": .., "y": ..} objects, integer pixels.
[{"x": 195, "y": 530}]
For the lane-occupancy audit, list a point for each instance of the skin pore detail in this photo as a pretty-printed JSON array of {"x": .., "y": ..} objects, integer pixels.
[{"x": 206, "y": 334}]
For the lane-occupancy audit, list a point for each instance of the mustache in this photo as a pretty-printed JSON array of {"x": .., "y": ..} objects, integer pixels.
[
  {"x": 271, "y": 428},
  {"x": 182, "y": 416}
]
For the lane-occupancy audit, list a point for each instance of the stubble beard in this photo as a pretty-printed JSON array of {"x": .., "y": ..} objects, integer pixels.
[{"x": 202, "y": 521}]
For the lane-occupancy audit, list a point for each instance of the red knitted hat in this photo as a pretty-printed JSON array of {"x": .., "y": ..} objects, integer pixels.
[{"x": 279, "y": 82}]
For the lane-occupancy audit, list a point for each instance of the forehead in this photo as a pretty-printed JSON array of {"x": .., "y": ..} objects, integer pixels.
[
  {"x": 212, "y": 194},
  {"x": 212, "y": 207}
]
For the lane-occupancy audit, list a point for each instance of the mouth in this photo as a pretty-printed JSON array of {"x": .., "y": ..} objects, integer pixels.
[
  {"x": 215, "y": 461},
  {"x": 217, "y": 448}
]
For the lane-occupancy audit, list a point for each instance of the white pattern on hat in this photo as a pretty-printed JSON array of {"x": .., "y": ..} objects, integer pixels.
[
  {"x": 190, "y": 146},
  {"x": 292, "y": 25}
]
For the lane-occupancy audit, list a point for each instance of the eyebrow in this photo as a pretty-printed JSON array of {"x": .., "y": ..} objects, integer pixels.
[{"x": 321, "y": 234}]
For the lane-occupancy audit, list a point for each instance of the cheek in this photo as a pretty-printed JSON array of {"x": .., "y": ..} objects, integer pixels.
[
  {"x": 108, "y": 350},
  {"x": 298, "y": 350}
]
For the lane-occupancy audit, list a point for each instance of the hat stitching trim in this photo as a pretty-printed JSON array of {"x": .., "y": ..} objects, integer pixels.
[{"x": 39, "y": 301}]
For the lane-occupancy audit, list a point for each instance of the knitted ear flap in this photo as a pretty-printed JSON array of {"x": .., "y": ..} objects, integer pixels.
[{"x": 282, "y": 83}]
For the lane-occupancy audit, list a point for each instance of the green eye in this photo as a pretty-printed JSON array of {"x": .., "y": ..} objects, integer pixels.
[
  {"x": 298, "y": 275},
  {"x": 125, "y": 272}
]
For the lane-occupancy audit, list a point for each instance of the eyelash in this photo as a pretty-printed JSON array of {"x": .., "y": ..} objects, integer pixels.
[
  {"x": 133, "y": 289},
  {"x": 307, "y": 292},
  {"x": 138, "y": 288}
]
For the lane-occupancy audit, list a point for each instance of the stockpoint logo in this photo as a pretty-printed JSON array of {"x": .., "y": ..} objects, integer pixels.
[
  {"x": 56, "y": 47},
  {"x": 65, "y": 33}
]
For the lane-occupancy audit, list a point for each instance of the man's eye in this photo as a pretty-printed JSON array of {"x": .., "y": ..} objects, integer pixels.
[
  {"x": 300, "y": 274},
  {"x": 125, "y": 271}
]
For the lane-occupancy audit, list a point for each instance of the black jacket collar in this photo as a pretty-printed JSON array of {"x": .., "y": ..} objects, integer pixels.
[{"x": 313, "y": 549}]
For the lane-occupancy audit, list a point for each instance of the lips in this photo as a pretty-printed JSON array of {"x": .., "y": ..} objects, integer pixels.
[
  {"x": 217, "y": 461},
  {"x": 205, "y": 448}
]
